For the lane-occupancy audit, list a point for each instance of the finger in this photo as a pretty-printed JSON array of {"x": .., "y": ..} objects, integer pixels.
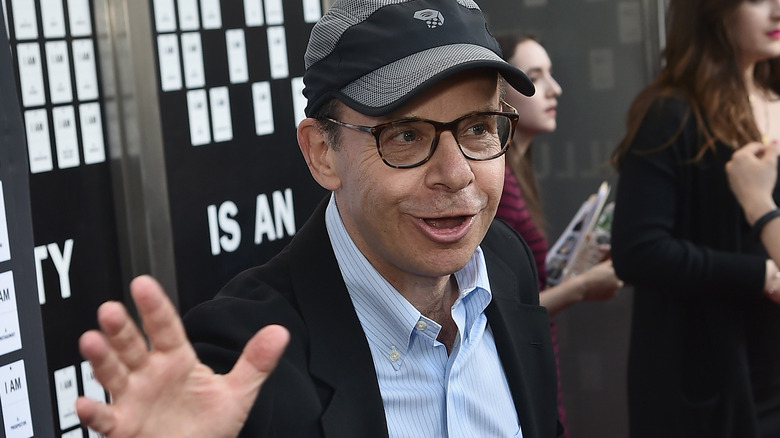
[
  {"x": 123, "y": 334},
  {"x": 161, "y": 322},
  {"x": 106, "y": 365},
  {"x": 259, "y": 358},
  {"x": 95, "y": 415}
]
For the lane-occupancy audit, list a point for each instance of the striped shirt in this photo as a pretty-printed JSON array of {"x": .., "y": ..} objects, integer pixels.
[{"x": 425, "y": 391}]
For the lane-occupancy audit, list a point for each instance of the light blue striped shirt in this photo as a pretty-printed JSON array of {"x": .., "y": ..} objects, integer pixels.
[{"x": 427, "y": 393}]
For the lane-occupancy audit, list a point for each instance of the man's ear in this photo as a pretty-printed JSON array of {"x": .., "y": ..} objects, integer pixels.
[{"x": 318, "y": 155}]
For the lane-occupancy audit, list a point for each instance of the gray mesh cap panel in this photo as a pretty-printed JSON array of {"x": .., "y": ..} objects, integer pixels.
[
  {"x": 395, "y": 81},
  {"x": 340, "y": 17}
]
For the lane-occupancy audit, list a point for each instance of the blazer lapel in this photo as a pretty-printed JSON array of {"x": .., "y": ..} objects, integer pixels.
[
  {"x": 340, "y": 356},
  {"x": 522, "y": 335}
]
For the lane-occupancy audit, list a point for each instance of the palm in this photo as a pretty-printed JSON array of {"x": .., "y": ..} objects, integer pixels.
[{"x": 167, "y": 391}]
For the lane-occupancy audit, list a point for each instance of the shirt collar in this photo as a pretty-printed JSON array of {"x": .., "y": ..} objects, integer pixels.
[{"x": 383, "y": 312}]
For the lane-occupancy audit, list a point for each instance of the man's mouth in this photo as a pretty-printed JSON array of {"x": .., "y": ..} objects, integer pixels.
[{"x": 444, "y": 223}]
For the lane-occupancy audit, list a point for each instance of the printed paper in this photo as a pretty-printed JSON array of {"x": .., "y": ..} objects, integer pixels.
[
  {"x": 92, "y": 388},
  {"x": 67, "y": 391},
  {"x": 298, "y": 99},
  {"x": 30, "y": 74},
  {"x": 85, "y": 69},
  {"x": 164, "y": 16},
  {"x": 170, "y": 64},
  {"x": 15, "y": 399},
  {"x": 65, "y": 137},
  {"x": 5, "y": 244},
  {"x": 58, "y": 65},
  {"x": 211, "y": 14},
  {"x": 197, "y": 108},
  {"x": 253, "y": 13},
  {"x": 53, "y": 18},
  {"x": 221, "y": 120},
  {"x": 10, "y": 337},
  {"x": 92, "y": 133},
  {"x": 312, "y": 11},
  {"x": 25, "y": 21},
  {"x": 263, "y": 106},
  {"x": 192, "y": 57},
  {"x": 79, "y": 18},
  {"x": 238, "y": 67},
  {"x": 38, "y": 143},
  {"x": 188, "y": 15},
  {"x": 274, "y": 12},
  {"x": 277, "y": 52}
]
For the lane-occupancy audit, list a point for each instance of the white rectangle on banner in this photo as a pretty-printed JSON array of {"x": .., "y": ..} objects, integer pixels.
[
  {"x": 170, "y": 63},
  {"x": 238, "y": 67},
  {"x": 5, "y": 17},
  {"x": 92, "y": 133},
  {"x": 189, "y": 18},
  {"x": 10, "y": 337},
  {"x": 5, "y": 244},
  {"x": 67, "y": 391},
  {"x": 30, "y": 74},
  {"x": 79, "y": 18},
  {"x": 25, "y": 19},
  {"x": 75, "y": 433},
  {"x": 53, "y": 19},
  {"x": 15, "y": 399},
  {"x": 211, "y": 14},
  {"x": 192, "y": 57},
  {"x": 58, "y": 65},
  {"x": 198, "y": 111},
  {"x": 277, "y": 52},
  {"x": 66, "y": 139},
  {"x": 253, "y": 13},
  {"x": 164, "y": 16},
  {"x": 274, "y": 12},
  {"x": 86, "y": 70},
  {"x": 38, "y": 141},
  {"x": 298, "y": 99},
  {"x": 263, "y": 106},
  {"x": 312, "y": 11},
  {"x": 189, "y": 15},
  {"x": 221, "y": 118},
  {"x": 92, "y": 388}
]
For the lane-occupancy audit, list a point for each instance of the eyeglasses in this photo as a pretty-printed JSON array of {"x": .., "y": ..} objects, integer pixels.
[{"x": 406, "y": 143}]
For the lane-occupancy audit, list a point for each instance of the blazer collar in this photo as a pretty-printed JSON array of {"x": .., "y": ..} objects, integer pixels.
[{"x": 340, "y": 356}]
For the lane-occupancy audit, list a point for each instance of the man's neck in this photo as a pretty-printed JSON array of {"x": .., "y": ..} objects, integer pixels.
[{"x": 436, "y": 303}]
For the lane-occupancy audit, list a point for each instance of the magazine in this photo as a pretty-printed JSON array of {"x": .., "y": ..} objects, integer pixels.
[{"x": 577, "y": 249}]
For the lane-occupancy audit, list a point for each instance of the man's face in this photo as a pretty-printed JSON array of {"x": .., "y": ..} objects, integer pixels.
[{"x": 421, "y": 224}]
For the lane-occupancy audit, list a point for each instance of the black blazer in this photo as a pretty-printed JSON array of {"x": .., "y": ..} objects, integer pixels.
[{"x": 325, "y": 384}]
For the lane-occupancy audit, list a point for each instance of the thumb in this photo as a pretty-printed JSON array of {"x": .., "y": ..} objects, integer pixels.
[{"x": 258, "y": 360}]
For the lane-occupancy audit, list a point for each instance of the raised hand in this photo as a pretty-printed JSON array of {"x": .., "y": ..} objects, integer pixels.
[
  {"x": 752, "y": 173},
  {"x": 165, "y": 390}
]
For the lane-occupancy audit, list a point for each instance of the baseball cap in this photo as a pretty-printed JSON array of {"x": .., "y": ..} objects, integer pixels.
[{"x": 376, "y": 55}]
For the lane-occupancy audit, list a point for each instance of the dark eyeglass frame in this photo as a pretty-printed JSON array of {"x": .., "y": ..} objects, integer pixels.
[{"x": 440, "y": 127}]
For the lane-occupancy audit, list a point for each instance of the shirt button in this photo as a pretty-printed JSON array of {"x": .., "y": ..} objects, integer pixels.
[
  {"x": 394, "y": 354},
  {"x": 421, "y": 325}
]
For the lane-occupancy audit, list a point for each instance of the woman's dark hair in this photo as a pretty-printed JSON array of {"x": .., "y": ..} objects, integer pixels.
[
  {"x": 699, "y": 64},
  {"x": 521, "y": 163}
]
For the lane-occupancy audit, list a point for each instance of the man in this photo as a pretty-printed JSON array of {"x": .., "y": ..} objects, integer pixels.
[{"x": 409, "y": 311}]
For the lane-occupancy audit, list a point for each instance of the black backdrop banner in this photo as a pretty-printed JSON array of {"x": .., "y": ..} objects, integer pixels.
[
  {"x": 24, "y": 383},
  {"x": 76, "y": 253},
  {"x": 229, "y": 99}
]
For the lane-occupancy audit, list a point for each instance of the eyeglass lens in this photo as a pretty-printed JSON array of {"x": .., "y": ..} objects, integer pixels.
[{"x": 480, "y": 136}]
